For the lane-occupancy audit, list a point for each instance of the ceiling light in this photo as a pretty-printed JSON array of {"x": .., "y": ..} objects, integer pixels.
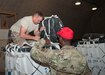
[
  {"x": 78, "y": 3},
  {"x": 94, "y": 8}
]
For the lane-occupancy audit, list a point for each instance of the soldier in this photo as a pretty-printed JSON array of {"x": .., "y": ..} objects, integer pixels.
[
  {"x": 19, "y": 31},
  {"x": 67, "y": 61}
]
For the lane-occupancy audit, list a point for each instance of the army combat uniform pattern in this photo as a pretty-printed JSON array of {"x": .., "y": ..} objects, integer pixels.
[{"x": 67, "y": 61}]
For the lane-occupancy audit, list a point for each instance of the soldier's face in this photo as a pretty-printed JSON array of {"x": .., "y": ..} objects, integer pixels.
[
  {"x": 37, "y": 19},
  {"x": 61, "y": 42}
]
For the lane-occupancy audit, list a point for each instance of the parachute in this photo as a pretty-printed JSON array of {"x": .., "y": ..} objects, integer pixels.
[{"x": 52, "y": 24}]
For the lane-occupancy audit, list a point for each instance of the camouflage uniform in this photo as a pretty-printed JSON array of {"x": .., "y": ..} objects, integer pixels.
[
  {"x": 15, "y": 38},
  {"x": 67, "y": 61}
]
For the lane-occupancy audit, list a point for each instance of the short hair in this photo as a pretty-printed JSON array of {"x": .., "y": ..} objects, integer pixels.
[{"x": 38, "y": 13}]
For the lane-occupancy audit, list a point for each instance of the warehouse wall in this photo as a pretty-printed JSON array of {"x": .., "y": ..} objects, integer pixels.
[{"x": 80, "y": 18}]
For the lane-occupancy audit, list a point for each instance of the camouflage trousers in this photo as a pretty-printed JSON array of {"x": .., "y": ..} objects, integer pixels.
[
  {"x": 15, "y": 38},
  {"x": 86, "y": 71}
]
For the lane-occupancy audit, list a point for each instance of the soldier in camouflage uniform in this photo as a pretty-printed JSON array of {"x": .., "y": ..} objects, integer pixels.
[{"x": 67, "y": 61}]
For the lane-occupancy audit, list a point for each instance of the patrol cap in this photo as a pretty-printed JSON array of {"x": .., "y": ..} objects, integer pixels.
[{"x": 66, "y": 33}]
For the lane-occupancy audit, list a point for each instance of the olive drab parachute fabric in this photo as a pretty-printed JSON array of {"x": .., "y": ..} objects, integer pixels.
[
  {"x": 52, "y": 24},
  {"x": 66, "y": 60}
]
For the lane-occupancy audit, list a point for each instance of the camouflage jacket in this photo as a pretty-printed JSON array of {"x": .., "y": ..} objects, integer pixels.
[{"x": 67, "y": 60}]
